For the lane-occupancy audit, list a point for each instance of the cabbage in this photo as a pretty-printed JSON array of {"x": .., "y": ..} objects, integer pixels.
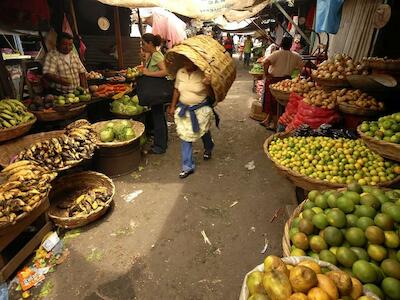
[
  {"x": 135, "y": 99},
  {"x": 126, "y": 100},
  {"x": 131, "y": 110},
  {"x": 125, "y": 123},
  {"x": 106, "y": 135},
  {"x": 129, "y": 133},
  {"x": 110, "y": 125},
  {"x": 117, "y": 106},
  {"x": 139, "y": 109}
]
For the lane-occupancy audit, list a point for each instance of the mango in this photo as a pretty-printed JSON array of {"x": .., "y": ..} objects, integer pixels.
[
  {"x": 277, "y": 285},
  {"x": 327, "y": 285},
  {"x": 302, "y": 279}
]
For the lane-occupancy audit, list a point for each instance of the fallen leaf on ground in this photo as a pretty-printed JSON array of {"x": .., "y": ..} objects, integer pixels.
[
  {"x": 129, "y": 198},
  {"x": 46, "y": 289},
  {"x": 95, "y": 255},
  {"x": 234, "y": 203},
  {"x": 250, "y": 165},
  {"x": 205, "y": 237},
  {"x": 266, "y": 244}
]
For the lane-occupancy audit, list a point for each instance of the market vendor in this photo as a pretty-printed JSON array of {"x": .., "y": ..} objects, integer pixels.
[
  {"x": 62, "y": 67},
  {"x": 278, "y": 66}
]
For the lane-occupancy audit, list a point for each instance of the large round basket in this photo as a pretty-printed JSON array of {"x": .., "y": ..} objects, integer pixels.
[
  {"x": 16, "y": 131},
  {"x": 385, "y": 149},
  {"x": 5, "y": 227},
  {"x": 68, "y": 187},
  {"x": 138, "y": 127},
  {"x": 305, "y": 182},
  {"x": 331, "y": 84},
  {"x": 358, "y": 111},
  {"x": 280, "y": 96},
  {"x": 210, "y": 57},
  {"x": 257, "y": 76},
  {"x": 48, "y": 116},
  {"x": 295, "y": 260}
]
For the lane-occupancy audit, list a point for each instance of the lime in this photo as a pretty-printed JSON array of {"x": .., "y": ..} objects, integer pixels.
[
  {"x": 391, "y": 268},
  {"x": 320, "y": 221},
  {"x": 345, "y": 204},
  {"x": 317, "y": 244},
  {"x": 333, "y": 236},
  {"x": 297, "y": 252},
  {"x": 295, "y": 222},
  {"x": 370, "y": 200},
  {"x": 328, "y": 256},
  {"x": 394, "y": 212},
  {"x": 384, "y": 221},
  {"x": 313, "y": 194},
  {"x": 308, "y": 214},
  {"x": 377, "y": 252},
  {"x": 351, "y": 220},
  {"x": 355, "y": 236},
  {"x": 293, "y": 231},
  {"x": 361, "y": 253},
  {"x": 346, "y": 256},
  {"x": 365, "y": 211},
  {"x": 306, "y": 226},
  {"x": 336, "y": 218},
  {"x": 354, "y": 187},
  {"x": 375, "y": 235},
  {"x": 374, "y": 289},
  {"x": 309, "y": 204},
  {"x": 321, "y": 201},
  {"x": 300, "y": 241},
  {"x": 391, "y": 288},
  {"x": 392, "y": 240},
  {"x": 364, "y": 271},
  {"x": 364, "y": 222}
]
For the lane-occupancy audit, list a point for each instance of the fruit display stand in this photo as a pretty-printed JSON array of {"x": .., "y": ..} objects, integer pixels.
[
  {"x": 16, "y": 131},
  {"x": 56, "y": 115},
  {"x": 12, "y": 255},
  {"x": 305, "y": 182},
  {"x": 118, "y": 158},
  {"x": 65, "y": 191},
  {"x": 279, "y": 285},
  {"x": 383, "y": 148}
]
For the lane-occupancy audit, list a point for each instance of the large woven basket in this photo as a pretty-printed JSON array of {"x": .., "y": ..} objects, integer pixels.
[
  {"x": 280, "y": 96},
  {"x": 47, "y": 116},
  {"x": 331, "y": 84},
  {"x": 68, "y": 187},
  {"x": 356, "y": 110},
  {"x": 138, "y": 127},
  {"x": 305, "y": 182},
  {"x": 295, "y": 260},
  {"x": 385, "y": 149},
  {"x": 16, "y": 131},
  {"x": 211, "y": 58}
]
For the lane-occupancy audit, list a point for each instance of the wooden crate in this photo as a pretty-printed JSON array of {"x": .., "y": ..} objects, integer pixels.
[{"x": 10, "y": 258}]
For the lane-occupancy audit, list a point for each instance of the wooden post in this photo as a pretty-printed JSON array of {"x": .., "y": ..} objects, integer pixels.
[
  {"x": 118, "y": 39},
  {"x": 73, "y": 17}
]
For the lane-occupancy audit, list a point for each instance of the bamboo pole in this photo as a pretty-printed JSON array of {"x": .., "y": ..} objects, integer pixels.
[{"x": 118, "y": 38}]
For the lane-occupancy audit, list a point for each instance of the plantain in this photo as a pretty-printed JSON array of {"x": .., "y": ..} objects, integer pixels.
[{"x": 16, "y": 164}]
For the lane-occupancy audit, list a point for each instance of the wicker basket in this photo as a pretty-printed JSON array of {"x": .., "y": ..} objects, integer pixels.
[
  {"x": 332, "y": 84},
  {"x": 137, "y": 127},
  {"x": 256, "y": 111},
  {"x": 48, "y": 116},
  {"x": 295, "y": 260},
  {"x": 16, "y": 131},
  {"x": 70, "y": 186},
  {"x": 385, "y": 149},
  {"x": 211, "y": 58},
  {"x": 5, "y": 227},
  {"x": 382, "y": 65},
  {"x": 257, "y": 76},
  {"x": 305, "y": 182},
  {"x": 280, "y": 96},
  {"x": 356, "y": 110}
]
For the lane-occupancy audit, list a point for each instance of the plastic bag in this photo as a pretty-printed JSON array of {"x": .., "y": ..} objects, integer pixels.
[
  {"x": 291, "y": 109},
  {"x": 313, "y": 116}
]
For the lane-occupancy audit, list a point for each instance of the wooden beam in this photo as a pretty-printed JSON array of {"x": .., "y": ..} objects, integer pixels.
[
  {"x": 73, "y": 17},
  {"x": 118, "y": 39}
]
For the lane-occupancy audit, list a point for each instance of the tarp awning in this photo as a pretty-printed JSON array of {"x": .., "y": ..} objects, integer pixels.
[{"x": 232, "y": 10}]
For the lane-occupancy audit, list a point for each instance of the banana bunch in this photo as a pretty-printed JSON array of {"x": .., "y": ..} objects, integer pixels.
[
  {"x": 68, "y": 149},
  {"x": 91, "y": 201},
  {"x": 13, "y": 113},
  {"x": 26, "y": 184}
]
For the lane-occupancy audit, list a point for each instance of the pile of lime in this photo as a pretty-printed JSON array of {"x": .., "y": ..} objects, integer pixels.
[
  {"x": 357, "y": 230},
  {"x": 386, "y": 128},
  {"x": 339, "y": 161}
]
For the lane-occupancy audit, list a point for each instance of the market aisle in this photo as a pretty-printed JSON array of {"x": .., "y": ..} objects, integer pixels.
[{"x": 152, "y": 247}]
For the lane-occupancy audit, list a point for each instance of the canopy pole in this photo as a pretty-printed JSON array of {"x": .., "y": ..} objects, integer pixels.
[
  {"x": 140, "y": 25},
  {"x": 73, "y": 17},
  {"x": 292, "y": 22},
  {"x": 118, "y": 39}
]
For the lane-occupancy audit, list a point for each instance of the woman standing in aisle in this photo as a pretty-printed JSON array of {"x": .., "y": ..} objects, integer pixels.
[
  {"x": 193, "y": 113},
  {"x": 155, "y": 67}
]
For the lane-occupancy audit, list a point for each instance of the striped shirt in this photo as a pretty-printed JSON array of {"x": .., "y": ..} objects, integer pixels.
[{"x": 67, "y": 66}]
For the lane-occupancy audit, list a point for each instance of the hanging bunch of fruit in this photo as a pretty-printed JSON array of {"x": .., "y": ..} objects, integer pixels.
[
  {"x": 26, "y": 184},
  {"x": 13, "y": 113}
]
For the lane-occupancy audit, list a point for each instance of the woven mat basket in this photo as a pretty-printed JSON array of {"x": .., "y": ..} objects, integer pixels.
[
  {"x": 16, "y": 131},
  {"x": 138, "y": 127},
  {"x": 67, "y": 186},
  {"x": 210, "y": 57},
  {"x": 306, "y": 182},
  {"x": 385, "y": 149}
]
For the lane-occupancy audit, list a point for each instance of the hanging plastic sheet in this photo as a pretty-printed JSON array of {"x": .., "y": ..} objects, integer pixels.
[
  {"x": 329, "y": 13},
  {"x": 232, "y": 10}
]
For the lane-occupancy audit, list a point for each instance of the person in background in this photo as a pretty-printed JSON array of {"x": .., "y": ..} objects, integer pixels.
[
  {"x": 62, "y": 68},
  {"x": 296, "y": 46},
  {"x": 278, "y": 66},
  {"x": 248, "y": 45},
  {"x": 192, "y": 111},
  {"x": 236, "y": 43},
  {"x": 228, "y": 44},
  {"x": 155, "y": 67}
]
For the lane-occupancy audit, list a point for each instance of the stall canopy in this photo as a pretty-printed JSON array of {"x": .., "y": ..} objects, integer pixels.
[{"x": 232, "y": 10}]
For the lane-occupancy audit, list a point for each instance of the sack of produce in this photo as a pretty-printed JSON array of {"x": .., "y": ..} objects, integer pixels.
[
  {"x": 291, "y": 109},
  {"x": 313, "y": 116},
  {"x": 301, "y": 278}
]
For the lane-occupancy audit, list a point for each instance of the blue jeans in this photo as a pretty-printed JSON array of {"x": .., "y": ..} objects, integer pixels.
[
  {"x": 160, "y": 128},
  {"x": 187, "y": 151},
  {"x": 246, "y": 60}
]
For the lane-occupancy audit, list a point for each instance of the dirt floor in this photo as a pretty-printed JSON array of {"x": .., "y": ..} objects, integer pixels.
[{"x": 152, "y": 247}]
